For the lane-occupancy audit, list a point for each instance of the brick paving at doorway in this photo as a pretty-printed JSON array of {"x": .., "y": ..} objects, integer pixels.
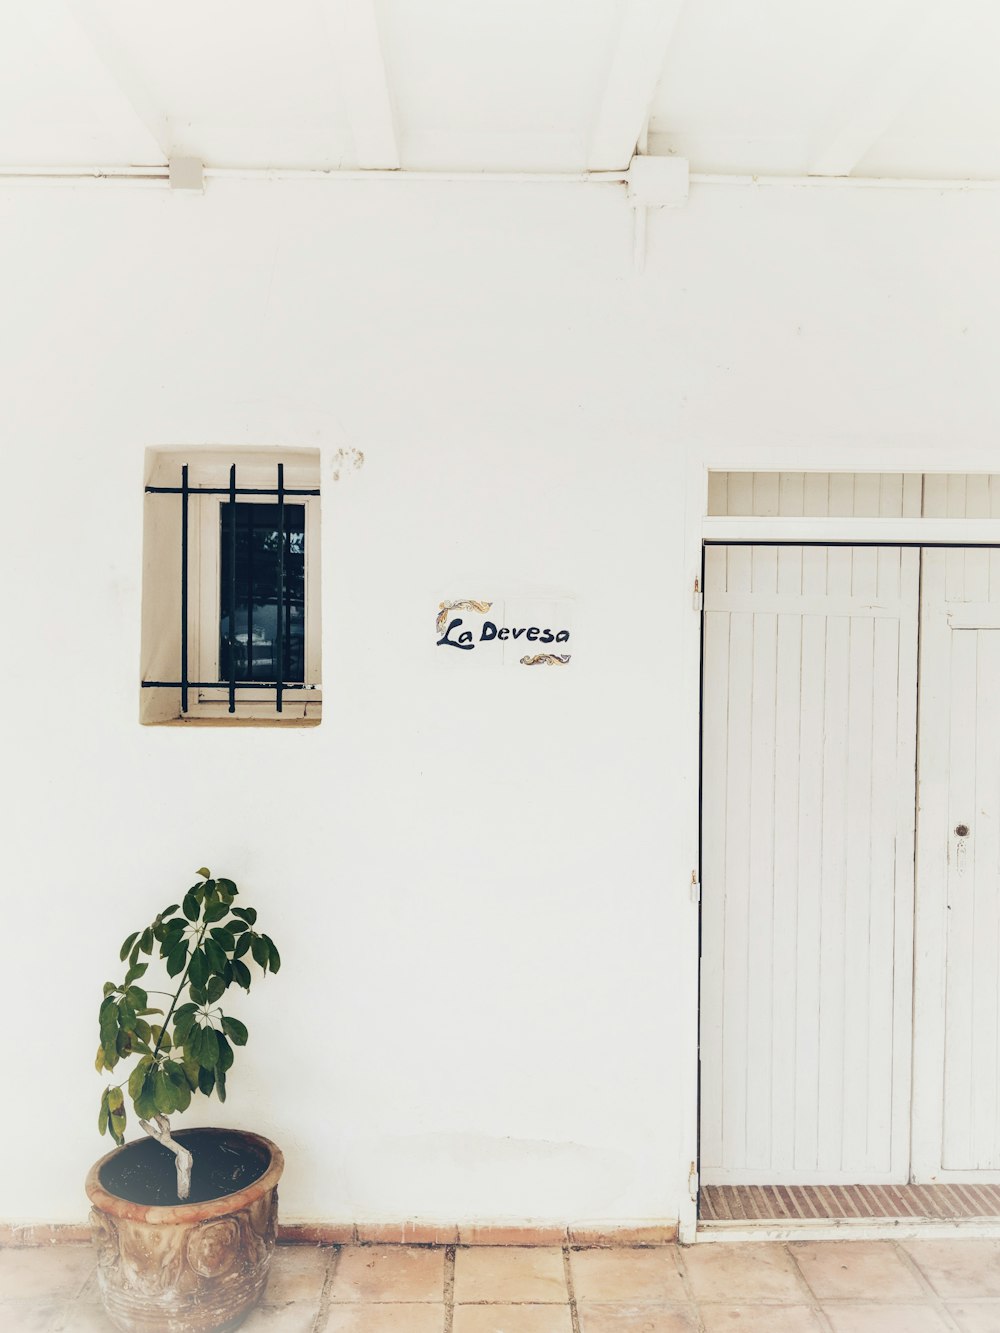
[{"x": 918, "y": 1286}]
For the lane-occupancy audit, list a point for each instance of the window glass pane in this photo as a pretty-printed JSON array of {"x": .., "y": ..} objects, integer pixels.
[{"x": 252, "y": 611}]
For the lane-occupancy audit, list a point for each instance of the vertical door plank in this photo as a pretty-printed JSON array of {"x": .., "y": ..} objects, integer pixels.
[
  {"x": 739, "y": 741},
  {"x": 715, "y": 732},
  {"x": 784, "y": 925}
]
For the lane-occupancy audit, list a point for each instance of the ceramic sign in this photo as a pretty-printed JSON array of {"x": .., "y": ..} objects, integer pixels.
[{"x": 516, "y": 632}]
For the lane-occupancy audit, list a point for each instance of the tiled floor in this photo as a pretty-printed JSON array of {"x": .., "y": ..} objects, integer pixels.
[{"x": 918, "y": 1286}]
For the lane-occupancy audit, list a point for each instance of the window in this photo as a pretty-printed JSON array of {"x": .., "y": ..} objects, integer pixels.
[{"x": 231, "y": 587}]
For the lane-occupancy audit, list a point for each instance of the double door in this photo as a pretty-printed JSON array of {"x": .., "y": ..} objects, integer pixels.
[{"x": 850, "y": 1023}]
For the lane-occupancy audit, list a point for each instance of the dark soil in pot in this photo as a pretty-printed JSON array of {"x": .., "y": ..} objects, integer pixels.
[{"x": 145, "y": 1172}]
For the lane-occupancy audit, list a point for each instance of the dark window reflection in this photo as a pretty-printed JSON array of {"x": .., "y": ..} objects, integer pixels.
[{"x": 248, "y": 630}]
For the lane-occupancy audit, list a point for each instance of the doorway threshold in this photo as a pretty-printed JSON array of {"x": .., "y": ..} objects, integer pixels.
[{"x": 843, "y": 1212}]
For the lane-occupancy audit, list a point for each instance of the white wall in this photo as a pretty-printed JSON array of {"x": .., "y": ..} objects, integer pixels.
[{"x": 478, "y": 880}]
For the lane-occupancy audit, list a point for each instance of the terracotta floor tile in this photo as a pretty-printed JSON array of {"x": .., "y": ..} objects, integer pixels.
[
  {"x": 976, "y": 1316},
  {"x": 297, "y": 1274},
  {"x": 632, "y": 1275},
  {"x": 404, "y": 1318},
  {"x": 60, "y": 1271},
  {"x": 30, "y": 1317},
  {"x": 885, "y": 1319},
  {"x": 958, "y": 1267},
  {"x": 759, "y": 1319},
  {"x": 844, "y": 1269},
  {"x": 504, "y": 1274},
  {"x": 747, "y": 1273},
  {"x": 297, "y": 1317},
  {"x": 513, "y": 1319},
  {"x": 637, "y": 1319},
  {"x": 388, "y": 1273}
]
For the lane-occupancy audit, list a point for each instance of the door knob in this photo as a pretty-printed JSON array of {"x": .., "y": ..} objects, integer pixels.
[{"x": 962, "y": 830}]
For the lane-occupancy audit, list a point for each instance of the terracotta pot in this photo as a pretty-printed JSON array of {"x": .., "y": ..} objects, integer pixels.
[{"x": 188, "y": 1268}]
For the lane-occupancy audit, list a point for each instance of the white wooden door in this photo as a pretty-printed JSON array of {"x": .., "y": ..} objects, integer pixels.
[
  {"x": 809, "y": 719},
  {"x": 956, "y": 1107}
]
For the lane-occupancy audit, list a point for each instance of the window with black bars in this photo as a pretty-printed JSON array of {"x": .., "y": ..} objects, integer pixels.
[{"x": 262, "y": 632}]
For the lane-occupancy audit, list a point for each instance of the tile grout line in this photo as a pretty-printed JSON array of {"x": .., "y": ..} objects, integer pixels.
[
  {"x": 574, "y": 1313},
  {"x": 822, "y": 1318},
  {"x": 449, "y": 1287},
  {"x": 685, "y": 1278},
  {"x": 323, "y": 1310},
  {"x": 936, "y": 1301}
]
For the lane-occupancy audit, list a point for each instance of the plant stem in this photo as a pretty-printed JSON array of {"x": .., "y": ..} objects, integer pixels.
[{"x": 173, "y": 1002}]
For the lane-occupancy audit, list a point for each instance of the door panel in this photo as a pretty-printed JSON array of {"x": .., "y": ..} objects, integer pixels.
[
  {"x": 807, "y": 864},
  {"x": 957, "y": 1052}
]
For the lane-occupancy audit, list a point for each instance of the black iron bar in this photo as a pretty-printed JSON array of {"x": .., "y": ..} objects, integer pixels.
[
  {"x": 250, "y": 508},
  {"x": 232, "y": 589},
  {"x": 184, "y": 587},
  {"x": 280, "y": 591},
  {"x": 226, "y": 490}
]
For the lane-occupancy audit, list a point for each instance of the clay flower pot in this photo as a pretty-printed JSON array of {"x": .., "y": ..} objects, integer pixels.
[{"x": 196, "y": 1267}]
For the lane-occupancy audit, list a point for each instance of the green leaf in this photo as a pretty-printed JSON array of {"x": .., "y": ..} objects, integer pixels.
[
  {"x": 215, "y": 989},
  {"x": 128, "y": 944},
  {"x": 191, "y": 1069},
  {"x": 134, "y": 973},
  {"x": 186, "y": 1008},
  {"x": 234, "y": 1030},
  {"x": 163, "y": 1093},
  {"x": 204, "y": 873},
  {"x": 235, "y": 927},
  {"x": 99, "y": 1060},
  {"x": 142, "y": 1029},
  {"x": 241, "y": 974},
  {"x": 226, "y": 1057},
  {"x": 115, "y": 1099},
  {"x": 198, "y": 970},
  {"x": 117, "y": 1123},
  {"x": 190, "y": 906},
  {"x": 108, "y": 1020},
  {"x": 178, "y": 1079},
  {"x": 174, "y": 907},
  {"x": 215, "y": 910},
  {"x": 227, "y": 888},
  {"x": 243, "y": 944},
  {"x": 146, "y": 942},
  {"x": 126, "y": 1015},
  {"x": 162, "y": 1038},
  {"x": 260, "y": 950},
  {"x": 215, "y": 956},
  {"x": 220, "y": 1084},
  {"x": 109, "y": 988},
  {"x": 136, "y": 997},
  {"x": 177, "y": 958},
  {"x": 145, "y": 1100},
  {"x": 192, "y": 1046},
  {"x": 273, "y": 957},
  {"x": 198, "y": 993},
  {"x": 104, "y": 1115},
  {"x": 247, "y": 914},
  {"x": 206, "y": 1081},
  {"x": 182, "y": 1027},
  {"x": 224, "y": 938},
  {"x": 209, "y": 1053},
  {"x": 123, "y": 1042}
]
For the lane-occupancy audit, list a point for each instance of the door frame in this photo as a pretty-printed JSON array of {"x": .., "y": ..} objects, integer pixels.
[{"x": 702, "y": 530}]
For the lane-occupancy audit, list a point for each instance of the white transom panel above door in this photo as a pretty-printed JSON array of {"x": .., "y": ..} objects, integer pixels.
[
  {"x": 956, "y": 1095},
  {"x": 809, "y": 734}
]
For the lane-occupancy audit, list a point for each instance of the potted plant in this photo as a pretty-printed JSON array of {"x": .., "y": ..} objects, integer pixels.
[{"x": 184, "y": 1223}]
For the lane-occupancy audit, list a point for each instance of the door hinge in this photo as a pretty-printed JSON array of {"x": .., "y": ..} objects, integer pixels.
[
  {"x": 693, "y": 1181},
  {"x": 698, "y": 600},
  {"x": 695, "y": 889}
]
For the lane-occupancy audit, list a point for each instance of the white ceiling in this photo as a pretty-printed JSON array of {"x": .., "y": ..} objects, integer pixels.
[{"x": 891, "y": 88}]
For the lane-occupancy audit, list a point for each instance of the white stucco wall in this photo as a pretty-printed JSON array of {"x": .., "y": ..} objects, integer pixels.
[{"x": 478, "y": 880}]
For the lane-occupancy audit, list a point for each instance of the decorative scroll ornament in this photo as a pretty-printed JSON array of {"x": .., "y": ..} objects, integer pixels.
[
  {"x": 445, "y": 607},
  {"x": 546, "y": 659}
]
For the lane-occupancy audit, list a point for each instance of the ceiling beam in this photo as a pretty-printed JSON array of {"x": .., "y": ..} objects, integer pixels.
[
  {"x": 362, "y": 82},
  {"x": 119, "y": 65},
  {"x": 906, "y": 50},
  {"x": 647, "y": 27}
]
